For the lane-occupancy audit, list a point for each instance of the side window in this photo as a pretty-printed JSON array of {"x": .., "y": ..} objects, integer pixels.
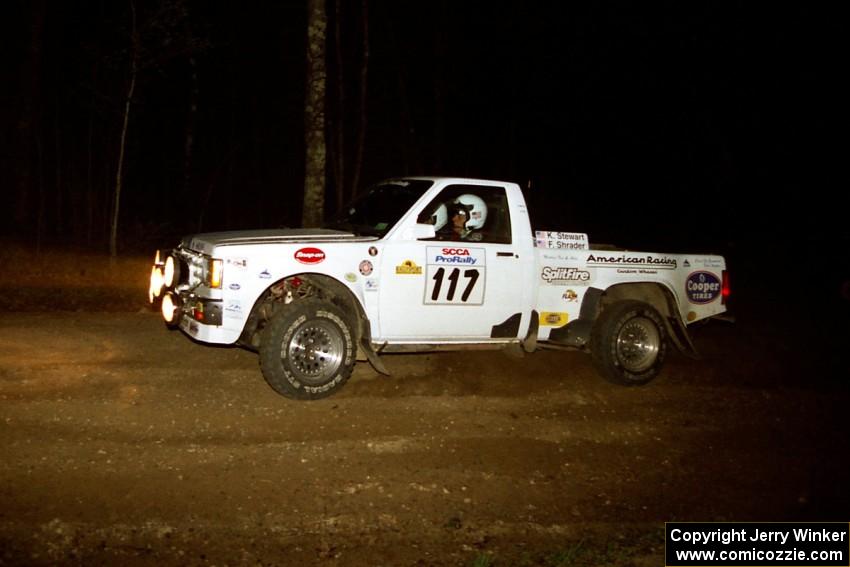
[{"x": 470, "y": 213}]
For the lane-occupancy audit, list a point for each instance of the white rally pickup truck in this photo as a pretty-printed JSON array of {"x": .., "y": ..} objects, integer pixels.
[{"x": 437, "y": 263}]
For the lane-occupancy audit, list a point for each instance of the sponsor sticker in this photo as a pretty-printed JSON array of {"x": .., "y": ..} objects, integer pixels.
[
  {"x": 563, "y": 275},
  {"x": 373, "y": 251},
  {"x": 570, "y": 295},
  {"x": 456, "y": 256},
  {"x": 366, "y": 267},
  {"x": 632, "y": 261},
  {"x": 309, "y": 255},
  {"x": 265, "y": 275},
  {"x": 702, "y": 287},
  {"x": 708, "y": 262},
  {"x": 233, "y": 309},
  {"x": 553, "y": 319},
  {"x": 456, "y": 275},
  {"x": 351, "y": 277},
  {"x": 235, "y": 286},
  {"x": 238, "y": 263},
  {"x": 371, "y": 284},
  {"x": 408, "y": 267}
]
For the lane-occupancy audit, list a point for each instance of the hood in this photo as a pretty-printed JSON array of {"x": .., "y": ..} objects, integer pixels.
[{"x": 207, "y": 241}]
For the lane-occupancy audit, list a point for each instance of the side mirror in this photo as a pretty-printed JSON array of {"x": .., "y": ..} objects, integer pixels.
[{"x": 420, "y": 231}]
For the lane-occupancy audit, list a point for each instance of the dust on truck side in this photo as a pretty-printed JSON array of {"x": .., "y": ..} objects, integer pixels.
[{"x": 419, "y": 264}]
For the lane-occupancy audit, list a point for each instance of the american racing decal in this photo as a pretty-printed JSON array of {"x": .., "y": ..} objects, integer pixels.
[
  {"x": 310, "y": 255},
  {"x": 553, "y": 319},
  {"x": 702, "y": 287},
  {"x": 632, "y": 261},
  {"x": 455, "y": 276},
  {"x": 408, "y": 267},
  {"x": 456, "y": 256},
  {"x": 562, "y": 275}
]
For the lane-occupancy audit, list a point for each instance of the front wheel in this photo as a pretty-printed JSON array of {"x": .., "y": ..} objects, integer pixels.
[
  {"x": 307, "y": 350},
  {"x": 628, "y": 343}
]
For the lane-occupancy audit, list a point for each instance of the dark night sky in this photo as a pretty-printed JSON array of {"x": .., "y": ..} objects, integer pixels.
[{"x": 670, "y": 126}]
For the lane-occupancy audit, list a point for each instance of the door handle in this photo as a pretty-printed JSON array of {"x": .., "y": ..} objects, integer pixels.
[{"x": 506, "y": 254}]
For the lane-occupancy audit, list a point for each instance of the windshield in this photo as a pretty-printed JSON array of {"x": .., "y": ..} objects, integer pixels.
[{"x": 376, "y": 211}]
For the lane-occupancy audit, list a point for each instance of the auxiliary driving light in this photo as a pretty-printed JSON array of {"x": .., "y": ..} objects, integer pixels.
[
  {"x": 156, "y": 283},
  {"x": 172, "y": 271},
  {"x": 169, "y": 308}
]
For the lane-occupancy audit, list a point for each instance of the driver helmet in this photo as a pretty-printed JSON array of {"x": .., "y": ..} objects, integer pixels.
[
  {"x": 474, "y": 208},
  {"x": 439, "y": 217}
]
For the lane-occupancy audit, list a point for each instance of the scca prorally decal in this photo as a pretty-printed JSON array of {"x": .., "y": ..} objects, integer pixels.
[
  {"x": 456, "y": 256},
  {"x": 310, "y": 255},
  {"x": 629, "y": 261},
  {"x": 702, "y": 287}
]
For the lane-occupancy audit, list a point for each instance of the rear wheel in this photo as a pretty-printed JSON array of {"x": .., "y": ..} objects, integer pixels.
[
  {"x": 307, "y": 350},
  {"x": 629, "y": 343}
]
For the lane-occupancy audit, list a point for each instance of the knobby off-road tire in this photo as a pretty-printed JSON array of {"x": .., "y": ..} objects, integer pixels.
[
  {"x": 628, "y": 343},
  {"x": 308, "y": 350}
]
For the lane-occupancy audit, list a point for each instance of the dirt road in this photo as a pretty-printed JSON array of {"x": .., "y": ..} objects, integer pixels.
[{"x": 122, "y": 442}]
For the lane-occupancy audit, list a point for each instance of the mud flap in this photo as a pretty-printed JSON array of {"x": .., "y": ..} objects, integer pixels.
[
  {"x": 372, "y": 356},
  {"x": 529, "y": 344},
  {"x": 678, "y": 333}
]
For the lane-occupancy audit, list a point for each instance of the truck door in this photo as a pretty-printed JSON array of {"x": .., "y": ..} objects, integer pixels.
[{"x": 462, "y": 285}]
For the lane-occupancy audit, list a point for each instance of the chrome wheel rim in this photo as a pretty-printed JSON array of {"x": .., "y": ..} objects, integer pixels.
[
  {"x": 638, "y": 343},
  {"x": 315, "y": 351}
]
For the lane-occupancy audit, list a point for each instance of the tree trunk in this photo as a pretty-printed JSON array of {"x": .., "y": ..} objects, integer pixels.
[
  {"x": 59, "y": 221},
  {"x": 116, "y": 203},
  {"x": 42, "y": 197},
  {"x": 338, "y": 118},
  {"x": 89, "y": 174},
  {"x": 364, "y": 75},
  {"x": 27, "y": 147},
  {"x": 314, "y": 116},
  {"x": 189, "y": 146}
]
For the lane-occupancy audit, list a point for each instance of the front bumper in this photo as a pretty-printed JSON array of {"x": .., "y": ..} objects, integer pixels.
[
  {"x": 180, "y": 283},
  {"x": 208, "y": 333}
]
